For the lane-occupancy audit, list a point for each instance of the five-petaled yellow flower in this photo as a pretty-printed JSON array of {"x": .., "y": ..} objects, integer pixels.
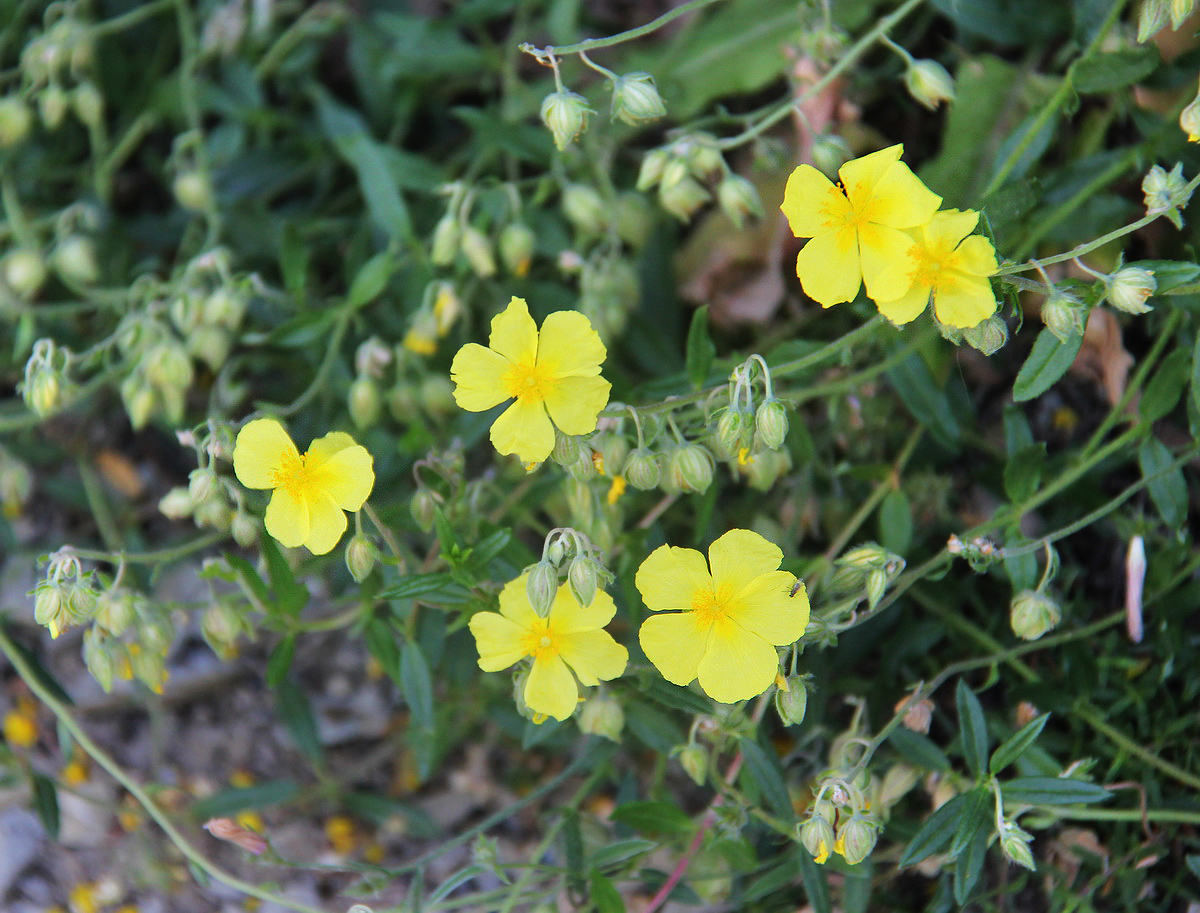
[
  {"x": 952, "y": 268},
  {"x": 856, "y": 229},
  {"x": 554, "y": 376},
  {"x": 311, "y": 489},
  {"x": 568, "y": 640},
  {"x": 721, "y": 627}
]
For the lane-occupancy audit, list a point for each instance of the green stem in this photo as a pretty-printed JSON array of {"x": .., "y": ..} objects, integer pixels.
[
  {"x": 1163, "y": 815},
  {"x": 592, "y": 44},
  {"x": 101, "y": 757},
  {"x": 161, "y": 556},
  {"x": 125, "y": 147},
  {"x": 189, "y": 96},
  {"x": 131, "y": 18},
  {"x": 101, "y": 510}
]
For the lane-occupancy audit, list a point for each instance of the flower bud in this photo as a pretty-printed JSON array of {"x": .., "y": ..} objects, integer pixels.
[
  {"x": 176, "y": 504},
  {"x": 764, "y": 469},
  {"x": 584, "y": 209},
  {"x": 791, "y": 700},
  {"x": 928, "y": 82},
  {"x": 15, "y": 121},
  {"x": 633, "y": 219},
  {"x": 365, "y": 403},
  {"x": 167, "y": 366},
  {"x": 683, "y": 198},
  {"x": 856, "y": 837},
  {"x": 42, "y": 392},
  {"x": 148, "y": 667},
  {"x": 1129, "y": 287},
  {"x": 988, "y": 336},
  {"x": 116, "y": 610},
  {"x": 1063, "y": 315},
  {"x": 738, "y": 198},
  {"x": 245, "y": 528},
  {"x": 99, "y": 657},
  {"x": 675, "y": 170},
  {"x": 735, "y": 430},
  {"x": 1166, "y": 192},
  {"x": 16, "y": 485},
  {"x": 876, "y": 586},
  {"x": 424, "y": 507},
  {"x": 24, "y": 272},
  {"x": 52, "y": 102},
  {"x": 612, "y": 450},
  {"x": 48, "y": 604},
  {"x": 565, "y": 115},
  {"x": 602, "y": 716},
  {"x": 361, "y": 555},
  {"x": 694, "y": 761},
  {"x": 566, "y": 448},
  {"x": 447, "y": 236},
  {"x": 74, "y": 258},
  {"x": 223, "y": 307},
  {"x": 221, "y": 625},
  {"x": 193, "y": 191},
  {"x": 209, "y": 344},
  {"x": 651, "y": 170},
  {"x": 541, "y": 587},
  {"x": 478, "y": 250},
  {"x": 203, "y": 484},
  {"x": 582, "y": 578},
  {"x": 918, "y": 716},
  {"x": 690, "y": 468},
  {"x": 1033, "y": 614},
  {"x": 703, "y": 158},
  {"x": 635, "y": 99},
  {"x": 816, "y": 835},
  {"x": 372, "y": 357},
  {"x": 214, "y": 513},
  {"x": 80, "y": 602},
  {"x": 1189, "y": 120},
  {"x": 829, "y": 153},
  {"x": 771, "y": 423},
  {"x": 642, "y": 469},
  {"x": 1014, "y": 842},
  {"x": 88, "y": 104},
  {"x": 897, "y": 782},
  {"x": 517, "y": 242}
]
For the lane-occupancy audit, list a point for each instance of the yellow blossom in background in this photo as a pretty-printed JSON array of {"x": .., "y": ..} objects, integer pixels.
[
  {"x": 553, "y": 376},
  {"x": 568, "y": 640},
  {"x": 616, "y": 489},
  {"x": 951, "y": 268},
  {"x": 20, "y": 725},
  {"x": 310, "y": 490},
  {"x": 856, "y": 228},
  {"x": 341, "y": 834},
  {"x": 722, "y": 620}
]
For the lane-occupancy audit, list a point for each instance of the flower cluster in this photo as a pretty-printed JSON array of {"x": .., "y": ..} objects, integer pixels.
[{"x": 880, "y": 227}]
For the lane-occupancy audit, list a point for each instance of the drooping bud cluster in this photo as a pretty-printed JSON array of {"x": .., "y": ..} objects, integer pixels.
[
  {"x": 566, "y": 553},
  {"x": 66, "y": 597},
  {"x": 867, "y": 571},
  {"x": 1166, "y": 192},
  {"x": 56, "y": 77},
  {"x": 684, "y": 173},
  {"x": 211, "y": 498}
]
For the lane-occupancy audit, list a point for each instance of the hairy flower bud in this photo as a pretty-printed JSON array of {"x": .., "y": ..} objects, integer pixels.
[
  {"x": 771, "y": 423},
  {"x": 738, "y": 199},
  {"x": 176, "y": 503},
  {"x": 223, "y": 307},
  {"x": 988, "y": 336},
  {"x": 193, "y": 191},
  {"x": 424, "y": 507},
  {"x": 100, "y": 657},
  {"x": 689, "y": 468},
  {"x": 1033, "y": 614},
  {"x": 203, "y": 484},
  {"x": 245, "y": 528},
  {"x": 52, "y": 102},
  {"x": 583, "y": 579},
  {"x": 116, "y": 610},
  {"x": 24, "y": 272},
  {"x": 42, "y": 391},
  {"x": 584, "y": 208},
  {"x": 15, "y": 121},
  {"x": 683, "y": 198},
  {"x": 478, "y": 250},
  {"x": 221, "y": 625},
  {"x": 361, "y": 555},
  {"x": 447, "y": 236},
  {"x": 1063, "y": 315},
  {"x": 1014, "y": 842},
  {"x": 365, "y": 402},
  {"x": 928, "y": 82},
  {"x": 517, "y": 242},
  {"x": 694, "y": 761},
  {"x": 642, "y": 469},
  {"x": 791, "y": 700},
  {"x": 541, "y": 586},
  {"x": 856, "y": 837},
  {"x": 816, "y": 835},
  {"x": 88, "y": 104},
  {"x": 565, "y": 115},
  {"x": 651, "y": 170},
  {"x": 1189, "y": 120},
  {"x": 735, "y": 430},
  {"x": 636, "y": 99},
  {"x": 602, "y": 716},
  {"x": 1129, "y": 287},
  {"x": 74, "y": 259}
]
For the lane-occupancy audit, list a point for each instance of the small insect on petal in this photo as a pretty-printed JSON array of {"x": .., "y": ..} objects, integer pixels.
[{"x": 225, "y": 829}]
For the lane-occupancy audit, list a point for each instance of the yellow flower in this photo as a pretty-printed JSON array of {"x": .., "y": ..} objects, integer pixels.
[
  {"x": 822, "y": 855},
  {"x": 855, "y": 228},
  {"x": 20, "y": 725},
  {"x": 554, "y": 376},
  {"x": 310, "y": 490},
  {"x": 722, "y": 626},
  {"x": 952, "y": 268},
  {"x": 569, "y": 639},
  {"x": 616, "y": 489}
]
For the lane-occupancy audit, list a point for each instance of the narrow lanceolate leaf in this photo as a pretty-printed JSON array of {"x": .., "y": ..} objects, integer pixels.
[
  {"x": 417, "y": 684},
  {"x": 815, "y": 885},
  {"x": 974, "y": 729},
  {"x": 1051, "y": 791},
  {"x": 1016, "y": 744},
  {"x": 970, "y": 866},
  {"x": 1048, "y": 361},
  {"x": 700, "y": 348},
  {"x": 765, "y": 772},
  {"x": 936, "y": 832},
  {"x": 977, "y": 816}
]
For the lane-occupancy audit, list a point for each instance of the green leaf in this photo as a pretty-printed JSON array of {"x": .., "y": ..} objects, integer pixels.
[
  {"x": 1017, "y": 433},
  {"x": 622, "y": 850},
  {"x": 604, "y": 895},
  {"x": 925, "y": 399},
  {"x": 1166, "y": 386},
  {"x": 250, "y": 577},
  {"x": 289, "y": 596},
  {"x": 815, "y": 885},
  {"x": 417, "y": 685},
  {"x": 700, "y": 348},
  {"x": 936, "y": 832},
  {"x": 45, "y": 803},
  {"x": 856, "y": 890},
  {"x": 572, "y": 842},
  {"x": 1196, "y": 374},
  {"x": 455, "y": 881},
  {"x": 229, "y": 802},
  {"x": 1017, "y": 744},
  {"x": 895, "y": 522},
  {"x": 969, "y": 866},
  {"x": 1023, "y": 473},
  {"x": 1114, "y": 70},
  {"x": 765, "y": 772},
  {"x": 40, "y": 672},
  {"x": 976, "y": 816},
  {"x": 919, "y": 749},
  {"x": 280, "y": 661},
  {"x": 776, "y": 878},
  {"x": 438, "y": 588},
  {"x": 974, "y": 729},
  {"x": 295, "y": 712},
  {"x": 652, "y": 817},
  {"x": 1168, "y": 490},
  {"x": 1193, "y": 863},
  {"x": 673, "y": 696},
  {"x": 371, "y": 279},
  {"x": 1169, "y": 274},
  {"x": 652, "y": 727},
  {"x": 1047, "y": 363},
  {"x": 1052, "y": 791}
]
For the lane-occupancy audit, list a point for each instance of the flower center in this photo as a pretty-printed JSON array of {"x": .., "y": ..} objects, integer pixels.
[
  {"x": 292, "y": 475},
  {"x": 528, "y": 382},
  {"x": 850, "y": 208},
  {"x": 539, "y": 641},
  {"x": 711, "y": 606},
  {"x": 929, "y": 262}
]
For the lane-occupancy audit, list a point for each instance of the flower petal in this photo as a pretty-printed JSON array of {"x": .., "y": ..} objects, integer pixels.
[
  {"x": 963, "y": 301},
  {"x": 261, "y": 447},
  {"x": 567, "y": 616},
  {"x": 670, "y": 577},
  {"x": 675, "y": 643},
  {"x": 977, "y": 256},
  {"x": 347, "y": 476},
  {"x": 829, "y": 268},
  {"x": 859, "y": 176},
  {"x": 326, "y": 522},
  {"x": 737, "y": 665},
  {"x": 514, "y": 334},
  {"x": 740, "y": 556},
  {"x": 900, "y": 200},
  {"x": 478, "y": 376},
  {"x": 766, "y": 607},
  {"x": 320, "y": 450},
  {"x": 575, "y": 402},
  {"x": 498, "y": 640},
  {"x": 568, "y": 346},
  {"x": 551, "y": 689},
  {"x": 886, "y": 261},
  {"x": 811, "y": 201},
  {"x": 593, "y": 655},
  {"x": 524, "y": 429},
  {"x": 287, "y": 518},
  {"x": 947, "y": 228},
  {"x": 514, "y": 604},
  {"x": 907, "y": 307}
]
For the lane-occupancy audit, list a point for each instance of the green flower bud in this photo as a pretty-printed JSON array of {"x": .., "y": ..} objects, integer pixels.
[
  {"x": 675, "y": 170},
  {"x": 683, "y": 198},
  {"x": 447, "y": 238},
  {"x": 558, "y": 550},
  {"x": 424, "y": 506},
  {"x": 735, "y": 430},
  {"x": 176, "y": 504},
  {"x": 214, "y": 513},
  {"x": 167, "y": 366},
  {"x": 602, "y": 716},
  {"x": 75, "y": 260},
  {"x": 583, "y": 579},
  {"x": 99, "y": 655},
  {"x": 764, "y": 469},
  {"x": 829, "y": 153},
  {"x": 43, "y": 392},
  {"x": 738, "y": 198},
  {"x": 633, "y": 219},
  {"x": 1166, "y": 192},
  {"x": 478, "y": 250},
  {"x": 694, "y": 761},
  {"x": 541, "y": 586},
  {"x": 517, "y": 242},
  {"x": 361, "y": 555},
  {"x": 139, "y": 399},
  {"x": 52, "y": 102},
  {"x": 771, "y": 423},
  {"x": 635, "y": 99},
  {"x": 1033, "y": 614},
  {"x": 1014, "y": 842},
  {"x": 437, "y": 394},
  {"x": 193, "y": 191},
  {"x": 148, "y": 668},
  {"x": 1063, "y": 315},
  {"x": 816, "y": 835},
  {"x": 877, "y": 581},
  {"x": 48, "y": 604},
  {"x": 689, "y": 468},
  {"x": 221, "y": 625},
  {"x": 16, "y": 485},
  {"x": 224, "y": 307},
  {"x": 365, "y": 402},
  {"x": 203, "y": 484},
  {"x": 928, "y": 82},
  {"x": 156, "y": 634},
  {"x": 856, "y": 837},
  {"x": 209, "y": 344},
  {"x": 566, "y": 448},
  {"x": 703, "y": 158},
  {"x": 585, "y": 209},
  {"x": 988, "y": 336},
  {"x": 651, "y": 170},
  {"x": 88, "y": 104},
  {"x": 613, "y": 450},
  {"x": 897, "y": 782},
  {"x": 1129, "y": 287},
  {"x": 791, "y": 700},
  {"x": 116, "y": 610},
  {"x": 565, "y": 116},
  {"x": 24, "y": 272},
  {"x": 642, "y": 469},
  {"x": 15, "y": 121},
  {"x": 584, "y": 468},
  {"x": 245, "y": 528},
  {"x": 1189, "y": 120}
]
